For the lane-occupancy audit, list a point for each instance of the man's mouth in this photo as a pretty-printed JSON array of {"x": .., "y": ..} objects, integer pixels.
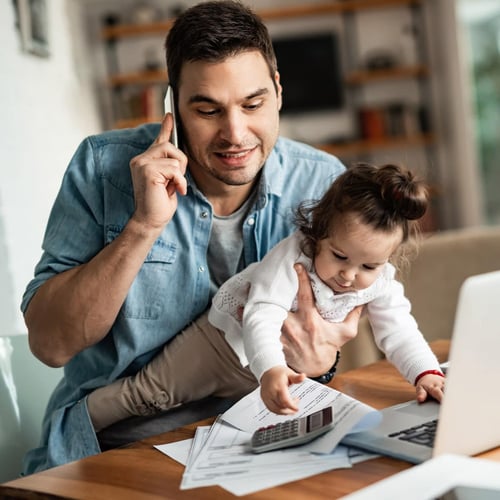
[
  {"x": 233, "y": 155},
  {"x": 235, "y": 158}
]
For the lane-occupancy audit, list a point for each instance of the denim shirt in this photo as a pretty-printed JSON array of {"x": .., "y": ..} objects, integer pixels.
[{"x": 172, "y": 288}]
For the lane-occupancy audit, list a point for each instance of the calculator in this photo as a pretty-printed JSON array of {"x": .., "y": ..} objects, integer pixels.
[{"x": 292, "y": 432}]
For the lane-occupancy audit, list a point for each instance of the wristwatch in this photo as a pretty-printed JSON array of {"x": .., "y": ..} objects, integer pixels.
[{"x": 327, "y": 377}]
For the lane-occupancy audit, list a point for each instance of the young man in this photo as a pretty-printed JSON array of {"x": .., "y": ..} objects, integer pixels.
[{"x": 142, "y": 233}]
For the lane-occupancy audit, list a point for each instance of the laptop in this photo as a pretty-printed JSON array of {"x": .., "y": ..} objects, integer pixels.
[{"x": 467, "y": 421}]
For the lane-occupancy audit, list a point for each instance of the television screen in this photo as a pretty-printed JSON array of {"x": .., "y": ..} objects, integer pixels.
[{"x": 310, "y": 72}]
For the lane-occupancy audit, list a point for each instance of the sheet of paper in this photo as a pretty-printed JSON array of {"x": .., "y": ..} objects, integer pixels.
[
  {"x": 433, "y": 478},
  {"x": 350, "y": 415},
  {"x": 179, "y": 450},
  {"x": 186, "y": 451}
]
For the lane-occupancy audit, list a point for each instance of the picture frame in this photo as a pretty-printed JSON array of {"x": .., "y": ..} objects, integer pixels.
[{"x": 32, "y": 22}]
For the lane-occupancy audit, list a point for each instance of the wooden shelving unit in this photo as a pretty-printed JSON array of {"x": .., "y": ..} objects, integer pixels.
[
  {"x": 363, "y": 77},
  {"x": 137, "y": 78},
  {"x": 271, "y": 14},
  {"x": 353, "y": 148},
  {"x": 353, "y": 79}
]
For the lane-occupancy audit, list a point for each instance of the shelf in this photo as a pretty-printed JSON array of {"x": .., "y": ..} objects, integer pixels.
[
  {"x": 352, "y": 148},
  {"x": 138, "y": 78},
  {"x": 367, "y": 76},
  {"x": 111, "y": 33},
  {"x": 354, "y": 78}
]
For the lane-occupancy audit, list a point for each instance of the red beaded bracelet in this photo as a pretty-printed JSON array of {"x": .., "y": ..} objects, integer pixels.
[{"x": 428, "y": 372}]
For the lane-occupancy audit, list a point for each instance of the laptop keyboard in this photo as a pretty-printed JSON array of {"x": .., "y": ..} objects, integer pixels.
[{"x": 423, "y": 434}]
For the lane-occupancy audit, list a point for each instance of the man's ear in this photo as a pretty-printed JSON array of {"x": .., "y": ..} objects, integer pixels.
[{"x": 279, "y": 89}]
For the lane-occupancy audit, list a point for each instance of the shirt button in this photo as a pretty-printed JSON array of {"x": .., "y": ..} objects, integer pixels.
[
  {"x": 204, "y": 214},
  {"x": 251, "y": 221},
  {"x": 201, "y": 269}
]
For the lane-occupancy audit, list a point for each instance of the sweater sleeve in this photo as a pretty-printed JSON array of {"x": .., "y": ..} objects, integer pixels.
[
  {"x": 272, "y": 291},
  {"x": 397, "y": 335}
]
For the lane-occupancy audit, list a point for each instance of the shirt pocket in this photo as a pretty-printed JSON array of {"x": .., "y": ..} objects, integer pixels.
[{"x": 148, "y": 293}]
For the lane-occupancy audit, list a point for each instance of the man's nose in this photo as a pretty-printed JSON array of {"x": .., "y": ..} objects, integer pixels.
[{"x": 233, "y": 127}]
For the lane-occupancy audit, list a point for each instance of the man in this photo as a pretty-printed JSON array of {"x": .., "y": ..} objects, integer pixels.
[{"x": 142, "y": 233}]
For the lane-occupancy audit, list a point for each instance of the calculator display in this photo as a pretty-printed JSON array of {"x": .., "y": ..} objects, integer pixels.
[{"x": 319, "y": 419}]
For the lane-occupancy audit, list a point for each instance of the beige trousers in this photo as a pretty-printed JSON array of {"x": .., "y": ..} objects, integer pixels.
[{"x": 196, "y": 363}]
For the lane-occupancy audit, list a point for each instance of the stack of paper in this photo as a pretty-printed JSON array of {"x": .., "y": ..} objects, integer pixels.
[{"x": 221, "y": 454}]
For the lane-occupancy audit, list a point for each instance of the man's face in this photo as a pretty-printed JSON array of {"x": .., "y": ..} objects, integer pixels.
[{"x": 230, "y": 117}]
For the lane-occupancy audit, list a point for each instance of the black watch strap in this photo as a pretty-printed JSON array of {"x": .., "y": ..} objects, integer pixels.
[{"x": 327, "y": 377}]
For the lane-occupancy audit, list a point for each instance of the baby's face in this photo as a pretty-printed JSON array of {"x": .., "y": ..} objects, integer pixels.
[{"x": 353, "y": 256}]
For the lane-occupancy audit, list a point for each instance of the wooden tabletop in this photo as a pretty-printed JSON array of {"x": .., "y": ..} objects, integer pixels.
[{"x": 138, "y": 471}]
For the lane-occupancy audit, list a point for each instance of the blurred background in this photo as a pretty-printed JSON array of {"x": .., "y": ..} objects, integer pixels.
[{"x": 406, "y": 81}]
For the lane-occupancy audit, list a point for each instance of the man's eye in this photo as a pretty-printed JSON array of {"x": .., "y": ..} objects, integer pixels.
[
  {"x": 253, "y": 105},
  {"x": 207, "y": 112}
]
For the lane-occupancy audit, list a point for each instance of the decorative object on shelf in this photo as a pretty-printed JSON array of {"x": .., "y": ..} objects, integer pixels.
[
  {"x": 144, "y": 13},
  {"x": 372, "y": 124},
  {"x": 111, "y": 19},
  {"x": 397, "y": 119},
  {"x": 32, "y": 23},
  {"x": 176, "y": 9},
  {"x": 152, "y": 62},
  {"x": 380, "y": 59}
]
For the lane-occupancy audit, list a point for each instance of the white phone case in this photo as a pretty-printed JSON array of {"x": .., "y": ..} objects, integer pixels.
[{"x": 170, "y": 108}]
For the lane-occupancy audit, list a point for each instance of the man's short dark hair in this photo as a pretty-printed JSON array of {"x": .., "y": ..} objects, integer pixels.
[{"x": 212, "y": 31}]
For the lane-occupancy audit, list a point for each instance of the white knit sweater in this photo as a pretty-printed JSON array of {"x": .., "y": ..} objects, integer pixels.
[{"x": 267, "y": 290}]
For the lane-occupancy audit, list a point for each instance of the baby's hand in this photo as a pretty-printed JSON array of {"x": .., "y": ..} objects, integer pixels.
[
  {"x": 430, "y": 385},
  {"x": 274, "y": 389}
]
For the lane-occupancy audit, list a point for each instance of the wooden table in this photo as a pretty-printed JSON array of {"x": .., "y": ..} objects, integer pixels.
[{"x": 138, "y": 471}]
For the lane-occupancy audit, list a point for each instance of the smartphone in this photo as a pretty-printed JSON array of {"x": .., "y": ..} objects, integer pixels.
[
  {"x": 292, "y": 432},
  {"x": 170, "y": 108}
]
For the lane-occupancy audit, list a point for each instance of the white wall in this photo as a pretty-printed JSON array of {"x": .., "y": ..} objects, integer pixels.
[{"x": 46, "y": 109}]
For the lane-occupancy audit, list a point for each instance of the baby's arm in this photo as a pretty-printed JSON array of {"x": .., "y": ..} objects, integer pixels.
[
  {"x": 274, "y": 389},
  {"x": 396, "y": 333},
  {"x": 430, "y": 384}
]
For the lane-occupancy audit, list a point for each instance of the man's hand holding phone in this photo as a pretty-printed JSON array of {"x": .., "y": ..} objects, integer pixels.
[{"x": 158, "y": 177}]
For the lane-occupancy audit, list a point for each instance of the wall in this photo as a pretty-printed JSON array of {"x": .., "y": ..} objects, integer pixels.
[{"x": 47, "y": 108}]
